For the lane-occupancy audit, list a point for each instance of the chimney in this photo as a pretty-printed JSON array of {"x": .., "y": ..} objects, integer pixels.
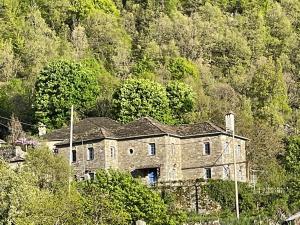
[
  {"x": 229, "y": 122},
  {"x": 42, "y": 129}
]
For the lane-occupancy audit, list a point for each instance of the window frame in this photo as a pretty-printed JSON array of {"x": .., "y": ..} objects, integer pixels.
[
  {"x": 130, "y": 151},
  {"x": 151, "y": 149},
  {"x": 74, "y": 156},
  {"x": 112, "y": 152},
  {"x": 207, "y": 143},
  {"x": 227, "y": 147},
  {"x": 206, "y": 169},
  {"x": 89, "y": 158},
  {"x": 238, "y": 150},
  {"x": 226, "y": 175}
]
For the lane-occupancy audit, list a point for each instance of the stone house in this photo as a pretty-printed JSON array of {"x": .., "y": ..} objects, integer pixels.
[
  {"x": 13, "y": 155},
  {"x": 151, "y": 150}
]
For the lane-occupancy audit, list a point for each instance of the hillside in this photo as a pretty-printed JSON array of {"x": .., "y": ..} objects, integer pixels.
[{"x": 194, "y": 59}]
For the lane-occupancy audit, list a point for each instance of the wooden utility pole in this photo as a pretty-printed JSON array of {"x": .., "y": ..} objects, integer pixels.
[
  {"x": 230, "y": 128},
  {"x": 235, "y": 180},
  {"x": 71, "y": 146}
]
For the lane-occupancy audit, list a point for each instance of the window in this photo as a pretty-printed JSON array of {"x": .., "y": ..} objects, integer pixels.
[
  {"x": 151, "y": 149},
  {"x": 90, "y": 153},
  {"x": 55, "y": 150},
  {"x": 92, "y": 175},
  {"x": 112, "y": 152},
  {"x": 240, "y": 173},
  {"x": 226, "y": 172},
  {"x": 206, "y": 148},
  {"x": 226, "y": 147},
  {"x": 74, "y": 158},
  {"x": 238, "y": 150},
  {"x": 130, "y": 151},
  {"x": 207, "y": 173}
]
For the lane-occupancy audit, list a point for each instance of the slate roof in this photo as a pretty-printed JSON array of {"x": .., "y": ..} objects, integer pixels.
[
  {"x": 91, "y": 128},
  {"x": 199, "y": 128},
  {"x": 101, "y": 127},
  {"x": 8, "y": 153}
]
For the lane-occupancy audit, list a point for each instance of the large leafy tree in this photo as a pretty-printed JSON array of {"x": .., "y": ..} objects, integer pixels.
[
  {"x": 268, "y": 92},
  {"x": 60, "y": 85},
  {"x": 132, "y": 199},
  {"x": 140, "y": 97},
  {"x": 27, "y": 195},
  {"x": 181, "y": 99}
]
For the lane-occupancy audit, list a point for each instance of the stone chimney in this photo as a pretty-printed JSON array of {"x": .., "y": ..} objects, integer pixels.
[
  {"x": 42, "y": 129},
  {"x": 229, "y": 122}
]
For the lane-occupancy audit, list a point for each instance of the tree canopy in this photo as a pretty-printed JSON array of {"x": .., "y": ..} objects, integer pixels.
[{"x": 60, "y": 85}]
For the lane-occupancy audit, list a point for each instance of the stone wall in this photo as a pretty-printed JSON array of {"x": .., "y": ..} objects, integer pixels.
[
  {"x": 133, "y": 154},
  {"x": 176, "y": 159},
  {"x": 194, "y": 159},
  {"x": 188, "y": 195},
  {"x": 82, "y": 164}
]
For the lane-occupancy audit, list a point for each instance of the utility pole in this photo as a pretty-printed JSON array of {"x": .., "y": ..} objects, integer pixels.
[
  {"x": 71, "y": 146},
  {"x": 230, "y": 128}
]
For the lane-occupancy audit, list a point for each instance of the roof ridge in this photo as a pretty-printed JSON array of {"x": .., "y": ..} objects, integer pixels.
[
  {"x": 215, "y": 126},
  {"x": 103, "y": 132},
  {"x": 152, "y": 121}
]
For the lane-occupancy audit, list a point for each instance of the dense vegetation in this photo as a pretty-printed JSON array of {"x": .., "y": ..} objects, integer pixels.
[
  {"x": 38, "y": 193},
  {"x": 180, "y": 61}
]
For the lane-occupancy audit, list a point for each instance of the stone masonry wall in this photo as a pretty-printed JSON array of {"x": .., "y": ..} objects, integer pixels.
[
  {"x": 167, "y": 157},
  {"x": 177, "y": 159},
  {"x": 82, "y": 164},
  {"x": 194, "y": 159}
]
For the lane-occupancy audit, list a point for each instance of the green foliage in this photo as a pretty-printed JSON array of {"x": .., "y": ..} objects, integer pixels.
[
  {"x": 181, "y": 68},
  {"x": 266, "y": 204},
  {"x": 60, "y": 85},
  {"x": 24, "y": 201},
  {"x": 291, "y": 163},
  {"x": 223, "y": 192},
  {"x": 107, "y": 6},
  {"x": 247, "y": 53},
  {"x": 139, "y": 97},
  {"x": 15, "y": 98},
  {"x": 181, "y": 99},
  {"x": 81, "y": 9},
  {"x": 113, "y": 46},
  {"x": 292, "y": 154},
  {"x": 269, "y": 92},
  {"x": 130, "y": 199},
  {"x": 51, "y": 172}
]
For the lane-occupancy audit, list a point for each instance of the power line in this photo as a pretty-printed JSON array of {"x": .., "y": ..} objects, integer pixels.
[
  {"x": 28, "y": 124},
  {"x": 4, "y": 125}
]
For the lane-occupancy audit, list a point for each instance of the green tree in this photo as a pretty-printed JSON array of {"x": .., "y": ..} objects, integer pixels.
[
  {"x": 181, "y": 99},
  {"x": 268, "y": 92},
  {"x": 181, "y": 68},
  {"x": 8, "y": 62},
  {"x": 15, "y": 98},
  {"x": 51, "y": 171},
  {"x": 60, "y": 85},
  {"x": 109, "y": 41},
  {"x": 139, "y": 97},
  {"x": 132, "y": 199},
  {"x": 291, "y": 163}
]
